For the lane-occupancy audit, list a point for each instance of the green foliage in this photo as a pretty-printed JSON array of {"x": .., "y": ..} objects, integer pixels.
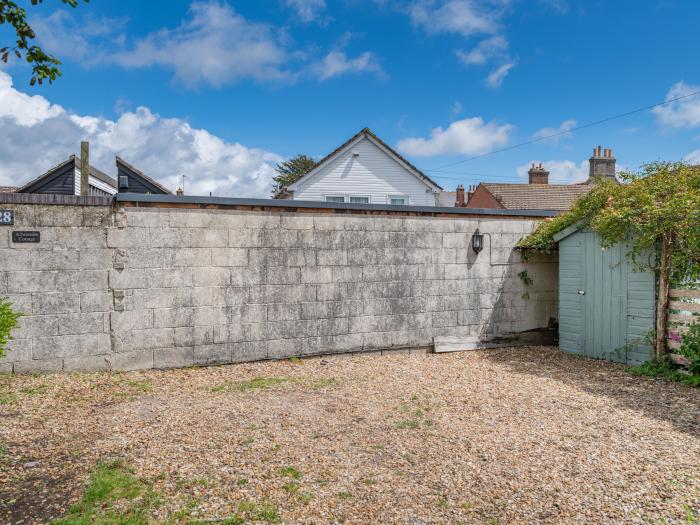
[
  {"x": 8, "y": 320},
  {"x": 662, "y": 201},
  {"x": 259, "y": 383},
  {"x": 114, "y": 496},
  {"x": 44, "y": 66},
  {"x": 667, "y": 370},
  {"x": 690, "y": 347},
  {"x": 582, "y": 212},
  {"x": 290, "y": 171}
]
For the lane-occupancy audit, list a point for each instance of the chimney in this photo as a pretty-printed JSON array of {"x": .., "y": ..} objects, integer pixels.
[
  {"x": 179, "y": 191},
  {"x": 470, "y": 193},
  {"x": 602, "y": 164},
  {"x": 459, "y": 200},
  {"x": 85, "y": 168},
  {"x": 538, "y": 175}
]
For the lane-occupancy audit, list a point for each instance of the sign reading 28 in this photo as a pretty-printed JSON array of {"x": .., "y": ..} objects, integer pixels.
[{"x": 7, "y": 217}]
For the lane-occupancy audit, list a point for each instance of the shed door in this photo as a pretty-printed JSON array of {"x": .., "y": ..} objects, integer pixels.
[
  {"x": 605, "y": 287},
  {"x": 592, "y": 298}
]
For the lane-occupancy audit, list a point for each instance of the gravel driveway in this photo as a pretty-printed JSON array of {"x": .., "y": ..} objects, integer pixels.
[{"x": 495, "y": 436}]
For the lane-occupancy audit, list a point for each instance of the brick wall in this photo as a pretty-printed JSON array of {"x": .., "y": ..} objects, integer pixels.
[{"x": 162, "y": 287}]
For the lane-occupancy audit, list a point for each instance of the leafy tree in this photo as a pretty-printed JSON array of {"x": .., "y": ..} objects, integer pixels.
[
  {"x": 44, "y": 66},
  {"x": 8, "y": 320},
  {"x": 290, "y": 171},
  {"x": 656, "y": 209}
]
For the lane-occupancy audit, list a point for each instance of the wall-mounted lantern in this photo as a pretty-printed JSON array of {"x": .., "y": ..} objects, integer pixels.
[{"x": 477, "y": 241}]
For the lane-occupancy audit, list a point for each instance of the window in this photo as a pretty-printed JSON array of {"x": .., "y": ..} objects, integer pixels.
[
  {"x": 397, "y": 200},
  {"x": 335, "y": 198},
  {"x": 358, "y": 199}
]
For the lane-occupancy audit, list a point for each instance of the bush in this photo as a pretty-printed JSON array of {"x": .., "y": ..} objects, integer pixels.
[
  {"x": 690, "y": 347},
  {"x": 8, "y": 320}
]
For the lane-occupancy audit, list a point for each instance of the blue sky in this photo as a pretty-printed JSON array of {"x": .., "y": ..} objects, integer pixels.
[{"x": 221, "y": 90}]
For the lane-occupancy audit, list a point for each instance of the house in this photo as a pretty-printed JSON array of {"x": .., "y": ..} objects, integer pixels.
[
  {"x": 365, "y": 170},
  {"x": 131, "y": 180},
  {"x": 538, "y": 194},
  {"x": 64, "y": 179}
]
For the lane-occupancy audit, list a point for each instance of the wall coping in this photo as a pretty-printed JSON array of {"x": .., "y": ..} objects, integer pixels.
[
  {"x": 52, "y": 199},
  {"x": 299, "y": 206}
]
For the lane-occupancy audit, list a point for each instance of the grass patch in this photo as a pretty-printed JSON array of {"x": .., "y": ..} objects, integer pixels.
[
  {"x": 258, "y": 383},
  {"x": 665, "y": 370},
  {"x": 344, "y": 495},
  {"x": 305, "y": 498},
  {"x": 264, "y": 511},
  {"x": 35, "y": 391},
  {"x": 8, "y": 398},
  {"x": 290, "y": 472},
  {"x": 291, "y": 487},
  {"x": 323, "y": 383},
  {"x": 296, "y": 360},
  {"x": 114, "y": 496},
  {"x": 408, "y": 424}
]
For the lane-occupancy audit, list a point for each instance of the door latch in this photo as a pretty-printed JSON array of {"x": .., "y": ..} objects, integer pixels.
[{"x": 581, "y": 292}]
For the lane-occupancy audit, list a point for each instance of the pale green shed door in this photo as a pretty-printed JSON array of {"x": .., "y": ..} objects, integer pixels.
[{"x": 606, "y": 309}]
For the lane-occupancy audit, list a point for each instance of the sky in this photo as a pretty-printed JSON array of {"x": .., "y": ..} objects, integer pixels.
[{"x": 222, "y": 90}]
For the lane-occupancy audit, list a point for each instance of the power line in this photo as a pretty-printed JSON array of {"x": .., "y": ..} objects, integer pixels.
[{"x": 560, "y": 133}]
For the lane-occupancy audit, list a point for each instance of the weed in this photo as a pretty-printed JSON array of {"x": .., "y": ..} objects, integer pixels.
[
  {"x": 305, "y": 498},
  {"x": 296, "y": 361},
  {"x": 322, "y": 383},
  {"x": 251, "y": 384},
  {"x": 408, "y": 424},
  {"x": 442, "y": 503},
  {"x": 378, "y": 447},
  {"x": 666, "y": 370},
  {"x": 8, "y": 398},
  {"x": 114, "y": 495},
  {"x": 369, "y": 481},
  {"x": 343, "y": 494},
  {"x": 265, "y": 511},
  {"x": 291, "y": 487},
  {"x": 37, "y": 390},
  {"x": 414, "y": 397},
  {"x": 241, "y": 481},
  {"x": 290, "y": 472}
]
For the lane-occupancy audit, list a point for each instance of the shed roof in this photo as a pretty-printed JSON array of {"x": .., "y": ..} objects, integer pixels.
[
  {"x": 558, "y": 197},
  {"x": 58, "y": 169},
  {"x": 135, "y": 172}
]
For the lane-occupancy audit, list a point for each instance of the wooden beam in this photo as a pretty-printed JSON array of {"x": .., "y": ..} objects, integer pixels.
[
  {"x": 688, "y": 307},
  {"x": 84, "y": 168},
  {"x": 693, "y": 294}
]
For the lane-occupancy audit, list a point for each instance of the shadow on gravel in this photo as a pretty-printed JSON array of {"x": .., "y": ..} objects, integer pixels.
[{"x": 663, "y": 400}]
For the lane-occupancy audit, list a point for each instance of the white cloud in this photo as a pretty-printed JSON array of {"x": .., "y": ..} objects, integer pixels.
[
  {"x": 463, "y": 17},
  {"x": 61, "y": 34},
  {"x": 683, "y": 113},
  {"x": 216, "y": 46},
  {"x": 486, "y": 50},
  {"x": 337, "y": 63},
  {"x": 308, "y": 10},
  {"x": 564, "y": 128},
  {"x": 456, "y": 109},
  {"x": 38, "y": 135},
  {"x": 693, "y": 157},
  {"x": 560, "y": 171},
  {"x": 498, "y": 75},
  {"x": 471, "y": 136}
]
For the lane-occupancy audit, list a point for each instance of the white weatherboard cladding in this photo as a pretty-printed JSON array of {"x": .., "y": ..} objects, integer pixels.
[{"x": 373, "y": 173}]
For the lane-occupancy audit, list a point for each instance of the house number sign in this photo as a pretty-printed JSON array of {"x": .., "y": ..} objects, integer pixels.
[{"x": 7, "y": 217}]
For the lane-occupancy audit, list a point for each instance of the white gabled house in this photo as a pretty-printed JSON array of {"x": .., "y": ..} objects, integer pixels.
[{"x": 365, "y": 170}]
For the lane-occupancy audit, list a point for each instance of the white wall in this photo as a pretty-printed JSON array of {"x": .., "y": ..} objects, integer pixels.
[{"x": 373, "y": 173}]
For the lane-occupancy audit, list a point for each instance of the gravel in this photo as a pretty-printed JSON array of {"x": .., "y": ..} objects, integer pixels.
[{"x": 518, "y": 435}]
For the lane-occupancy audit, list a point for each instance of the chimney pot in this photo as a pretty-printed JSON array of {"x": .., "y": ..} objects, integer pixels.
[
  {"x": 459, "y": 197},
  {"x": 602, "y": 164}
]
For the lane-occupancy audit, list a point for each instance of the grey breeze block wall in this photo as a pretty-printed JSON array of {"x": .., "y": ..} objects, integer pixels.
[{"x": 137, "y": 288}]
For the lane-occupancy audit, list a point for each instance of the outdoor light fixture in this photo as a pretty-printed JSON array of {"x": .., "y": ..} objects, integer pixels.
[{"x": 477, "y": 241}]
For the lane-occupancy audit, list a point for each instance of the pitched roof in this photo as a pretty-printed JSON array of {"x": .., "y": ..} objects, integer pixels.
[
  {"x": 94, "y": 172},
  {"x": 139, "y": 173},
  {"x": 558, "y": 197},
  {"x": 366, "y": 132}
]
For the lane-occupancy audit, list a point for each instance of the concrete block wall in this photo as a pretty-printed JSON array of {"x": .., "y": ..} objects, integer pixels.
[{"x": 137, "y": 288}]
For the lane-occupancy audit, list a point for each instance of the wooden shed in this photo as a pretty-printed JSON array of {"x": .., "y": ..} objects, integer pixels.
[{"x": 606, "y": 308}]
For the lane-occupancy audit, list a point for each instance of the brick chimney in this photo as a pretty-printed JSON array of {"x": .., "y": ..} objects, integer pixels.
[
  {"x": 602, "y": 164},
  {"x": 459, "y": 199},
  {"x": 470, "y": 193},
  {"x": 538, "y": 175}
]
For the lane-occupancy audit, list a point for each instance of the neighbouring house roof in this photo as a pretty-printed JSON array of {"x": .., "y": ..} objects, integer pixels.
[
  {"x": 151, "y": 185},
  {"x": 557, "y": 197},
  {"x": 58, "y": 170},
  {"x": 366, "y": 133},
  {"x": 7, "y": 189}
]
